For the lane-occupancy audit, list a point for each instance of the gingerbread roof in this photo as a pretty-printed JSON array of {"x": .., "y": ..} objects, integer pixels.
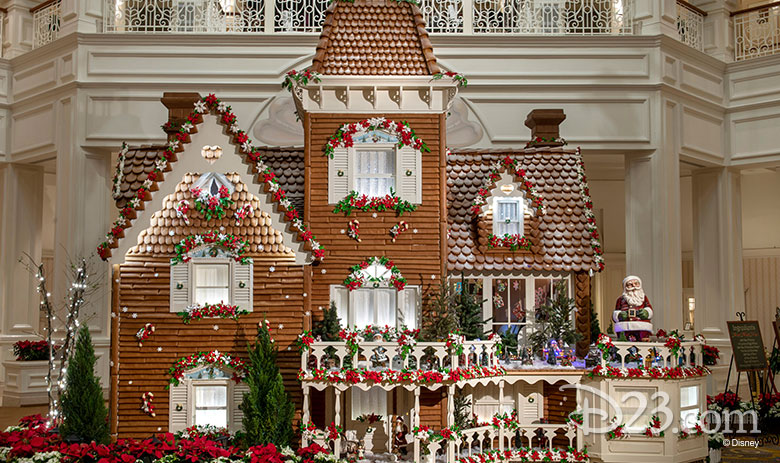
[
  {"x": 167, "y": 229},
  {"x": 374, "y": 37},
  {"x": 563, "y": 242},
  {"x": 286, "y": 164}
]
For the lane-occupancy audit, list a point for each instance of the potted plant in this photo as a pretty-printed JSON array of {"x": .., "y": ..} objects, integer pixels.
[{"x": 26, "y": 375}]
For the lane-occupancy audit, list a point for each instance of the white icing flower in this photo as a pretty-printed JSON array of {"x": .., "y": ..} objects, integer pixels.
[
  {"x": 187, "y": 127},
  {"x": 222, "y": 107},
  {"x": 200, "y": 107}
]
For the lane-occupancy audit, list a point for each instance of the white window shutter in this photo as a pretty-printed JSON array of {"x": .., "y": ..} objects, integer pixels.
[
  {"x": 237, "y": 415},
  {"x": 408, "y": 307},
  {"x": 339, "y": 295},
  {"x": 409, "y": 177},
  {"x": 242, "y": 276},
  {"x": 180, "y": 286},
  {"x": 178, "y": 407},
  {"x": 338, "y": 175}
]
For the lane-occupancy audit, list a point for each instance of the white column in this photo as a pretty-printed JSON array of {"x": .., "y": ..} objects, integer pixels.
[
  {"x": 18, "y": 28},
  {"x": 337, "y": 419},
  {"x": 719, "y": 28},
  {"x": 653, "y": 243},
  {"x": 717, "y": 250},
  {"x": 306, "y": 406},
  {"x": 450, "y": 405},
  {"x": 21, "y": 203}
]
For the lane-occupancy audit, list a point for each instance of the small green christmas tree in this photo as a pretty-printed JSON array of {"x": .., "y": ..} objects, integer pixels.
[
  {"x": 329, "y": 327},
  {"x": 469, "y": 310},
  {"x": 267, "y": 409},
  {"x": 438, "y": 314},
  {"x": 554, "y": 321},
  {"x": 83, "y": 409}
]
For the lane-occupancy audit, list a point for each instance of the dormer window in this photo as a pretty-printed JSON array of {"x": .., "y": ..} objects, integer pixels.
[{"x": 508, "y": 216}]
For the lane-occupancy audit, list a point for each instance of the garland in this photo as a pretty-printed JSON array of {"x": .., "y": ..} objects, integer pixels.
[
  {"x": 513, "y": 242},
  {"x": 406, "y": 342},
  {"x": 673, "y": 344},
  {"x": 455, "y": 342},
  {"x": 214, "y": 358},
  {"x": 119, "y": 174},
  {"x": 363, "y": 375},
  {"x": 357, "y": 278},
  {"x": 207, "y": 105},
  {"x": 146, "y": 404},
  {"x": 199, "y": 312},
  {"x": 575, "y": 418},
  {"x": 212, "y": 206},
  {"x": 590, "y": 225},
  {"x": 334, "y": 431},
  {"x": 355, "y": 200},
  {"x": 459, "y": 79},
  {"x": 513, "y": 167},
  {"x": 525, "y": 454},
  {"x": 233, "y": 245},
  {"x": 498, "y": 340},
  {"x": 654, "y": 373},
  {"x": 304, "y": 341},
  {"x": 144, "y": 333},
  {"x": 343, "y": 138},
  {"x": 300, "y": 78},
  {"x": 426, "y": 434},
  {"x": 653, "y": 429},
  {"x": 370, "y": 418},
  {"x": 686, "y": 433},
  {"x": 397, "y": 229},
  {"x": 545, "y": 141}
]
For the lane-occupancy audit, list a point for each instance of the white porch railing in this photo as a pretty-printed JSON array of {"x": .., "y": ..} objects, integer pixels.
[
  {"x": 385, "y": 355},
  {"x": 633, "y": 354},
  {"x": 46, "y": 23},
  {"x": 757, "y": 31},
  {"x": 690, "y": 25},
  {"x": 530, "y": 17}
]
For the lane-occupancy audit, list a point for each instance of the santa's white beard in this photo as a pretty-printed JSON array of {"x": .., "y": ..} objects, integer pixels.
[{"x": 634, "y": 297}]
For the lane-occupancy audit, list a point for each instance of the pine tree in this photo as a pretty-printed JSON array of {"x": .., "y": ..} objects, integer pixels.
[
  {"x": 438, "y": 314},
  {"x": 329, "y": 327},
  {"x": 469, "y": 309},
  {"x": 83, "y": 409},
  {"x": 554, "y": 321},
  {"x": 267, "y": 409}
]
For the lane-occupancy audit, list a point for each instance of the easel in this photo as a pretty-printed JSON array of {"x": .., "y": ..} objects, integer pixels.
[
  {"x": 757, "y": 376},
  {"x": 770, "y": 373}
]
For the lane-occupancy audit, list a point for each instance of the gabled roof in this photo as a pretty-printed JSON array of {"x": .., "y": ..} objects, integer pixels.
[
  {"x": 133, "y": 192},
  {"x": 374, "y": 37},
  {"x": 568, "y": 239}
]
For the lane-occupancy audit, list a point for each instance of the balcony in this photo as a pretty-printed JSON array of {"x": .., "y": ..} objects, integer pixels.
[
  {"x": 46, "y": 23},
  {"x": 690, "y": 25},
  {"x": 533, "y": 17},
  {"x": 756, "y": 31}
]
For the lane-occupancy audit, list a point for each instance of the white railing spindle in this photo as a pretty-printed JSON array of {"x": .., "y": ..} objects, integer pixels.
[
  {"x": 46, "y": 23},
  {"x": 757, "y": 32}
]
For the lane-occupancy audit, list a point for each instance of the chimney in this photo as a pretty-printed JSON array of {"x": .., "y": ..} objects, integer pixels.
[
  {"x": 179, "y": 106},
  {"x": 544, "y": 125}
]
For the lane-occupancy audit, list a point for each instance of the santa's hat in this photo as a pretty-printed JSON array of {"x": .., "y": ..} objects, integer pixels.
[{"x": 631, "y": 277}]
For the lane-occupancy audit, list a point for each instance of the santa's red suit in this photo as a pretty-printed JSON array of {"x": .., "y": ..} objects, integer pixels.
[{"x": 633, "y": 319}]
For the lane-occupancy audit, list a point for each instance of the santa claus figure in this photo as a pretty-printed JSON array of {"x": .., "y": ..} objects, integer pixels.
[{"x": 633, "y": 312}]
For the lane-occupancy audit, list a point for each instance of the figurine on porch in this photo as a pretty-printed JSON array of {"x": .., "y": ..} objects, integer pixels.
[
  {"x": 379, "y": 358},
  {"x": 633, "y": 312},
  {"x": 400, "y": 430}
]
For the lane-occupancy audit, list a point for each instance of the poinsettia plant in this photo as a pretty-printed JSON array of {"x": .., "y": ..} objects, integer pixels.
[
  {"x": 302, "y": 78},
  {"x": 304, "y": 341},
  {"x": 344, "y": 137},
  {"x": 710, "y": 354},
  {"x": 355, "y": 201},
  {"x": 460, "y": 79},
  {"x": 653, "y": 428},
  {"x": 29, "y": 351},
  {"x": 200, "y": 311},
  {"x": 618, "y": 431},
  {"x": 509, "y": 241},
  {"x": 605, "y": 345}
]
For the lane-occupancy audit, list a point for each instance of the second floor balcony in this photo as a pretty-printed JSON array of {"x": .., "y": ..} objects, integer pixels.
[{"x": 537, "y": 17}]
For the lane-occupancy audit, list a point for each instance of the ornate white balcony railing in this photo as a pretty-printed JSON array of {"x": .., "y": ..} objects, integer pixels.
[
  {"x": 46, "y": 23},
  {"x": 654, "y": 355},
  {"x": 757, "y": 31},
  {"x": 529, "y": 17},
  {"x": 690, "y": 25},
  {"x": 381, "y": 356}
]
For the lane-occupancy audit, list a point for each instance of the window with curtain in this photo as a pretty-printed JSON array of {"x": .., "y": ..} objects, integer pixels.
[
  {"x": 374, "y": 173},
  {"x": 212, "y": 283},
  {"x": 508, "y": 216},
  {"x": 211, "y": 405},
  {"x": 377, "y": 306},
  {"x": 373, "y": 400}
]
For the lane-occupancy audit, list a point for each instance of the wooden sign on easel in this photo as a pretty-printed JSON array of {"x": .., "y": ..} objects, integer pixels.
[{"x": 747, "y": 345}]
